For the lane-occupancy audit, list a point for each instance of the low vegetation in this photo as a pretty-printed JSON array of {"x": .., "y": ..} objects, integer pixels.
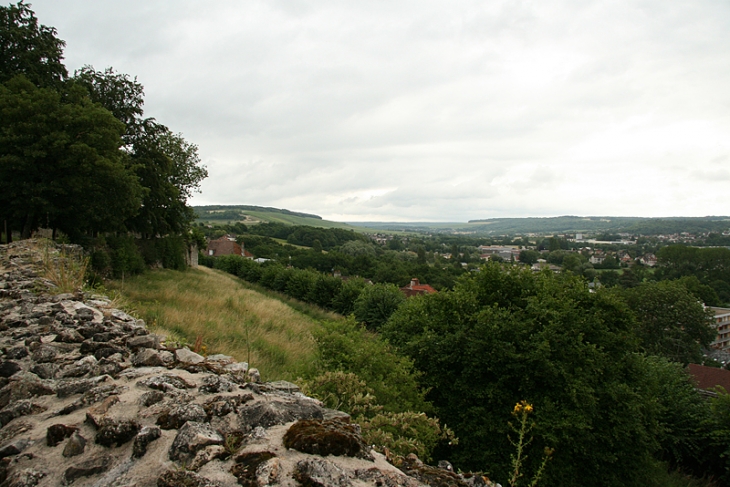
[{"x": 230, "y": 318}]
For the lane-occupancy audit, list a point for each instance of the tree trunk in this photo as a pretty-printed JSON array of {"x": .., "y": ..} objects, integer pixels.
[{"x": 28, "y": 227}]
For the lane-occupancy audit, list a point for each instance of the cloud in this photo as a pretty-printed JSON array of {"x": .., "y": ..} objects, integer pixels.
[{"x": 431, "y": 110}]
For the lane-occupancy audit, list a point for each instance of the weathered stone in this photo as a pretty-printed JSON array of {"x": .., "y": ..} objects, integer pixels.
[
  {"x": 188, "y": 357},
  {"x": 56, "y": 433},
  {"x": 267, "y": 414},
  {"x": 85, "y": 313},
  {"x": 143, "y": 341},
  {"x": 109, "y": 366},
  {"x": 25, "y": 386},
  {"x": 429, "y": 475},
  {"x": 168, "y": 358},
  {"x": 17, "y": 409},
  {"x": 94, "y": 395},
  {"x": 92, "y": 466},
  {"x": 386, "y": 479},
  {"x": 149, "y": 398},
  {"x": 75, "y": 445},
  {"x": 15, "y": 447},
  {"x": 166, "y": 382},
  {"x": 147, "y": 358},
  {"x": 206, "y": 455},
  {"x": 45, "y": 371},
  {"x": 9, "y": 368},
  {"x": 247, "y": 464},
  {"x": 192, "y": 437},
  {"x": 28, "y": 477},
  {"x": 283, "y": 386},
  {"x": 331, "y": 437},
  {"x": 238, "y": 368},
  {"x": 113, "y": 431},
  {"x": 220, "y": 358},
  {"x": 16, "y": 353},
  {"x": 222, "y": 405},
  {"x": 179, "y": 415},
  {"x": 11, "y": 431},
  {"x": 69, "y": 335},
  {"x": 44, "y": 353},
  {"x": 182, "y": 478},
  {"x": 78, "y": 386},
  {"x": 317, "y": 472},
  {"x": 213, "y": 384},
  {"x": 146, "y": 435},
  {"x": 269, "y": 473}
]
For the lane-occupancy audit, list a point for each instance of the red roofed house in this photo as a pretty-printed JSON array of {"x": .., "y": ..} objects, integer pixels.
[
  {"x": 226, "y": 245},
  {"x": 223, "y": 246},
  {"x": 415, "y": 288},
  {"x": 708, "y": 378}
]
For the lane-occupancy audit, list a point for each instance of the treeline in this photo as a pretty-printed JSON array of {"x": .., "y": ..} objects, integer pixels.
[
  {"x": 371, "y": 304},
  {"x": 76, "y": 154}
]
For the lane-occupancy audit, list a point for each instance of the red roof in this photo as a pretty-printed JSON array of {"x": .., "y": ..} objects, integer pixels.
[
  {"x": 223, "y": 246},
  {"x": 415, "y": 288},
  {"x": 709, "y": 377}
]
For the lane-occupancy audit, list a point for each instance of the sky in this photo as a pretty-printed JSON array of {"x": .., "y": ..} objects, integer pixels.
[{"x": 431, "y": 110}]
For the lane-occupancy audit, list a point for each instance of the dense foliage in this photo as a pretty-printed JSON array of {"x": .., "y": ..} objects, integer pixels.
[
  {"x": 508, "y": 335},
  {"x": 76, "y": 154}
]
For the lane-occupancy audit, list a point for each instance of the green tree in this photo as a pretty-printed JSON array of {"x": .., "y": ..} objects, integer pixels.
[
  {"x": 671, "y": 321},
  {"x": 376, "y": 303},
  {"x": 122, "y": 96},
  {"x": 60, "y": 163},
  {"x": 344, "y": 301},
  {"x": 507, "y": 335},
  {"x": 529, "y": 257},
  {"x": 168, "y": 167},
  {"x": 29, "y": 49}
]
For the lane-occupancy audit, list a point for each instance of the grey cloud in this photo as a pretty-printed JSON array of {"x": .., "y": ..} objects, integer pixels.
[{"x": 314, "y": 103}]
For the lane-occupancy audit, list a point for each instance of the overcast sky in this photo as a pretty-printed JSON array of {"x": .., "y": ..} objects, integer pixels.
[{"x": 431, "y": 110}]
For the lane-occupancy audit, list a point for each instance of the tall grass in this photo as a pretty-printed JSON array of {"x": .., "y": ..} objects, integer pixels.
[
  {"x": 229, "y": 317},
  {"x": 64, "y": 267}
]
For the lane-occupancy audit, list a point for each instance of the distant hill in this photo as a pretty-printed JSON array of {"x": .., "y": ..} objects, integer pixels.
[
  {"x": 250, "y": 214},
  {"x": 573, "y": 224},
  {"x": 561, "y": 224}
]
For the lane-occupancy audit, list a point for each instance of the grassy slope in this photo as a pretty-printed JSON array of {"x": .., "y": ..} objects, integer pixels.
[{"x": 231, "y": 316}]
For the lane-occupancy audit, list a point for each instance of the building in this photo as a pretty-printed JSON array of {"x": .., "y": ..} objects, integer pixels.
[
  {"x": 415, "y": 288},
  {"x": 506, "y": 252},
  {"x": 722, "y": 323},
  {"x": 224, "y": 245},
  {"x": 708, "y": 378}
]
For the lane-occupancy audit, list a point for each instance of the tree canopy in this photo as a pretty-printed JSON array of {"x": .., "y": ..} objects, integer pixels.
[
  {"x": 28, "y": 48},
  {"x": 502, "y": 336},
  {"x": 75, "y": 153}
]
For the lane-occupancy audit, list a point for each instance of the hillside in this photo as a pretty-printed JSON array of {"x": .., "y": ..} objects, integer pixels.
[
  {"x": 228, "y": 316},
  {"x": 256, "y": 214},
  {"x": 561, "y": 224},
  {"x": 492, "y": 226}
]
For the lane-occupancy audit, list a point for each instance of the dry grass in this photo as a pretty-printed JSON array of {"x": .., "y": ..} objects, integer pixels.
[
  {"x": 65, "y": 269},
  {"x": 229, "y": 317}
]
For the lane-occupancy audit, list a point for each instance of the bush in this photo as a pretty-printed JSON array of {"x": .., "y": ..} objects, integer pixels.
[{"x": 376, "y": 303}]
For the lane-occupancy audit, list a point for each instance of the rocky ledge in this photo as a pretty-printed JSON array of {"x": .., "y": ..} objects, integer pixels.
[{"x": 89, "y": 397}]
